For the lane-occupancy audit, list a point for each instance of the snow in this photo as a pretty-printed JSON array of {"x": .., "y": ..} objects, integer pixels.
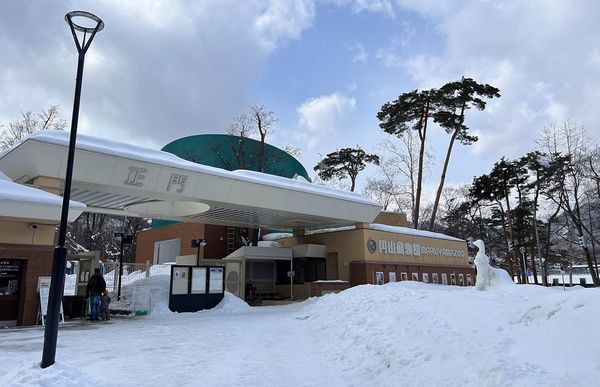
[
  {"x": 391, "y": 229},
  {"x": 276, "y": 235},
  {"x": 405, "y": 333},
  {"x": 412, "y": 231},
  {"x": 105, "y": 146}
]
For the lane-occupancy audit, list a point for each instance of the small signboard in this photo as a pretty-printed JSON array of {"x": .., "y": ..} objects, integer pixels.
[
  {"x": 44, "y": 291},
  {"x": 291, "y": 273}
]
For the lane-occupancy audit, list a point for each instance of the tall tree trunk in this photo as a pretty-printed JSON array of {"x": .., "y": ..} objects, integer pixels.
[
  {"x": 533, "y": 265},
  {"x": 511, "y": 269},
  {"x": 512, "y": 237},
  {"x": 442, "y": 180},
  {"x": 422, "y": 136}
]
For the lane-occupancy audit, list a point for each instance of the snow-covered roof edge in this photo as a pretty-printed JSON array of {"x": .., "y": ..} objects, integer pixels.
[
  {"x": 372, "y": 226},
  {"x": 134, "y": 152}
]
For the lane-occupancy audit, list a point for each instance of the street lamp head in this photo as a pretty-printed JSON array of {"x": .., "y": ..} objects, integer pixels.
[
  {"x": 99, "y": 23},
  {"x": 83, "y": 46}
]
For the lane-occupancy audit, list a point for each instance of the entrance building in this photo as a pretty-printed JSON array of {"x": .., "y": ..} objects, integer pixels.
[
  {"x": 121, "y": 179},
  {"x": 28, "y": 219}
]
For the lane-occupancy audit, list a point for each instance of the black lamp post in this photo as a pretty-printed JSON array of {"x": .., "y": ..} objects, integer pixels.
[
  {"x": 59, "y": 262},
  {"x": 124, "y": 238},
  {"x": 198, "y": 243}
]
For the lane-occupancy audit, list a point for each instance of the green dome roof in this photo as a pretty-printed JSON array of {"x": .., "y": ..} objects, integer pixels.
[{"x": 221, "y": 150}]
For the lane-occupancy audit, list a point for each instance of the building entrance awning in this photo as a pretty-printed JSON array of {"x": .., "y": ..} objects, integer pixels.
[{"x": 122, "y": 179}]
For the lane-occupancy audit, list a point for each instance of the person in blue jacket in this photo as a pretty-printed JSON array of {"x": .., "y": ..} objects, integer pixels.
[{"x": 94, "y": 289}]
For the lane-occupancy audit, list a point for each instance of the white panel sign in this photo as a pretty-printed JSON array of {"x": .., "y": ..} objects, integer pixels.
[
  {"x": 216, "y": 280},
  {"x": 199, "y": 280}
]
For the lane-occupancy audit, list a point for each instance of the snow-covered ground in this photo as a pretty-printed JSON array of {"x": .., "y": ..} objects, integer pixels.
[{"x": 398, "y": 334}]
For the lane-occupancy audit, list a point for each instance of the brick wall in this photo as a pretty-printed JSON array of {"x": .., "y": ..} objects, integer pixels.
[
  {"x": 38, "y": 262},
  {"x": 362, "y": 272},
  {"x": 317, "y": 288}
]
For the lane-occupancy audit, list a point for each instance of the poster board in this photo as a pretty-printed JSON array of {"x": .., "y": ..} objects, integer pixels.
[
  {"x": 392, "y": 275},
  {"x": 44, "y": 292},
  {"x": 199, "y": 280},
  {"x": 215, "y": 284},
  {"x": 180, "y": 280},
  {"x": 10, "y": 276}
]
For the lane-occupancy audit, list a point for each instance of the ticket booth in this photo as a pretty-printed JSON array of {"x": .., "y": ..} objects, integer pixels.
[
  {"x": 11, "y": 282},
  {"x": 196, "y": 285}
]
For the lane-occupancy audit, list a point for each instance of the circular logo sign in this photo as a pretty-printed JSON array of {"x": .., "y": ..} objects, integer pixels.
[{"x": 371, "y": 245}]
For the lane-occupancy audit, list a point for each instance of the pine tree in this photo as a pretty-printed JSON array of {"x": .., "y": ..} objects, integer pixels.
[
  {"x": 455, "y": 98},
  {"x": 345, "y": 163},
  {"x": 411, "y": 111}
]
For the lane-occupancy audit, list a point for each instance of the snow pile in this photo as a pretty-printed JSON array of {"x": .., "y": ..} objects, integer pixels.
[
  {"x": 57, "y": 375},
  {"x": 268, "y": 244},
  {"x": 500, "y": 278},
  {"x": 276, "y": 235},
  {"x": 429, "y": 335},
  {"x": 231, "y": 304},
  {"x": 412, "y": 231},
  {"x": 159, "y": 292}
]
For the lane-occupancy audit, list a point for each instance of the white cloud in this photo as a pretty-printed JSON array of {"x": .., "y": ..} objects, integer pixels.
[
  {"x": 542, "y": 55},
  {"x": 284, "y": 20},
  {"x": 324, "y": 113},
  {"x": 385, "y": 7},
  {"x": 159, "y": 69},
  {"x": 359, "y": 53}
]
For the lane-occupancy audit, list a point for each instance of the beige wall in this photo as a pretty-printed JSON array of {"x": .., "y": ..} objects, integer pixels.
[
  {"x": 21, "y": 233},
  {"x": 391, "y": 219},
  {"x": 423, "y": 258},
  {"x": 48, "y": 184},
  {"x": 348, "y": 245},
  {"x": 351, "y": 246}
]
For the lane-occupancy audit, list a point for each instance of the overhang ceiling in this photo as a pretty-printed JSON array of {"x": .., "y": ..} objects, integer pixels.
[{"x": 121, "y": 179}]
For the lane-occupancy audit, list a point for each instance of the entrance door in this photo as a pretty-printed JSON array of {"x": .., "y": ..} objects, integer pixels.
[
  {"x": 332, "y": 266},
  {"x": 166, "y": 251},
  {"x": 11, "y": 276}
]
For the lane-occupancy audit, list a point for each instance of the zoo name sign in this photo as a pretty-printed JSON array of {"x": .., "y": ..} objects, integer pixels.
[{"x": 406, "y": 248}]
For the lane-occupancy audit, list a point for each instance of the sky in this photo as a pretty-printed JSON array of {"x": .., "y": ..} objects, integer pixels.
[{"x": 162, "y": 70}]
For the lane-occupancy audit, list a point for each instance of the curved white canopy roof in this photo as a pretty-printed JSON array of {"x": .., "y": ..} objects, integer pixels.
[
  {"x": 118, "y": 178},
  {"x": 19, "y": 202}
]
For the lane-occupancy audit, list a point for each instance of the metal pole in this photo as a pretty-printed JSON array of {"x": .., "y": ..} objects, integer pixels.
[
  {"x": 120, "y": 267},
  {"x": 59, "y": 261},
  {"x": 198, "y": 254},
  {"x": 292, "y": 279}
]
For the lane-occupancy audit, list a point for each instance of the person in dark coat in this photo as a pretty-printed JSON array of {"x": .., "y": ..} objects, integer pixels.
[{"x": 93, "y": 291}]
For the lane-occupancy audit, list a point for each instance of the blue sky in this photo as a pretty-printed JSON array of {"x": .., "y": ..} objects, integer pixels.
[{"x": 162, "y": 70}]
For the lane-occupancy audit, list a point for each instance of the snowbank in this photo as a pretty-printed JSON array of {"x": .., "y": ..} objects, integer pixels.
[
  {"x": 429, "y": 335},
  {"x": 231, "y": 304},
  {"x": 58, "y": 375}
]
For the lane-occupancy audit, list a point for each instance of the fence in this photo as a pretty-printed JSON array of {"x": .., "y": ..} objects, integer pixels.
[{"x": 131, "y": 273}]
